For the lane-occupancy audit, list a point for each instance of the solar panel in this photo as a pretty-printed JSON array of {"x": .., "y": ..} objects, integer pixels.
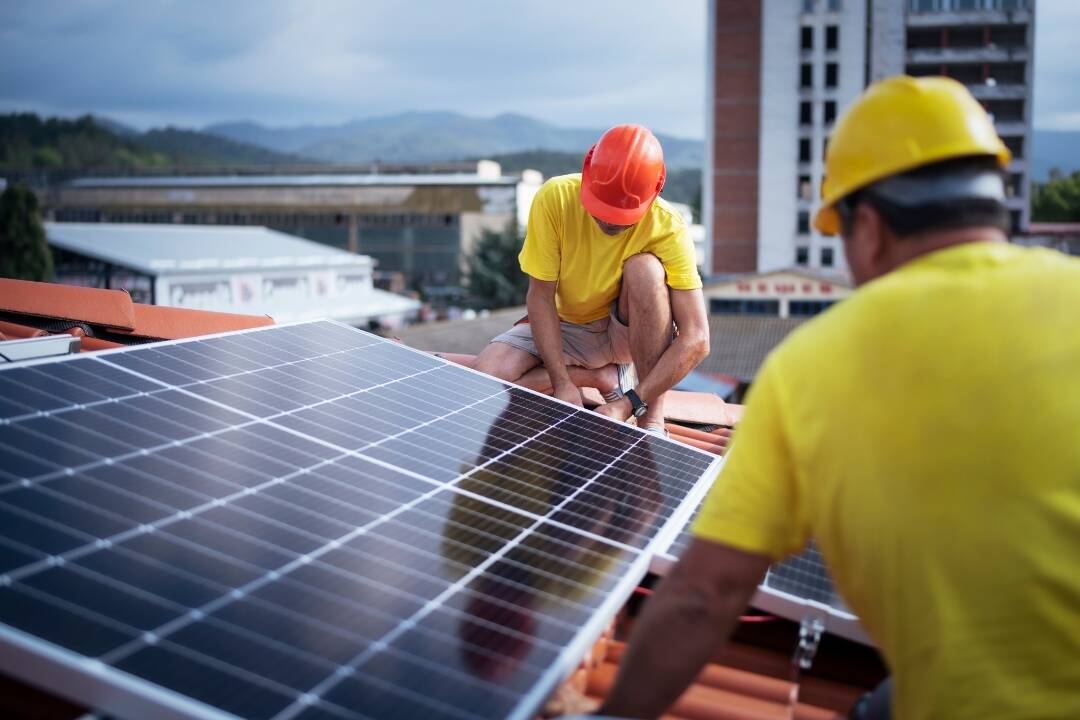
[
  {"x": 307, "y": 521},
  {"x": 795, "y": 588}
]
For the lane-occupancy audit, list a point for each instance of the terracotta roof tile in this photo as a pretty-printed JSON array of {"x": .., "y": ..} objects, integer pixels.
[
  {"x": 108, "y": 308},
  {"x": 104, "y": 318},
  {"x": 14, "y": 331},
  {"x": 168, "y": 323}
]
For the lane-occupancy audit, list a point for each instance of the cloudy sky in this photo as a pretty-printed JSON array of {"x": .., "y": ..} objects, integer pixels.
[{"x": 589, "y": 63}]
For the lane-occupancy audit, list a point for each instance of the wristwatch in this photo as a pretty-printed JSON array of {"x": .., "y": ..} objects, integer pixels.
[{"x": 640, "y": 407}]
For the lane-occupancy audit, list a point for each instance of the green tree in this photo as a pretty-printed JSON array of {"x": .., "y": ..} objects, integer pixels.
[
  {"x": 1057, "y": 200},
  {"x": 24, "y": 252},
  {"x": 494, "y": 278}
]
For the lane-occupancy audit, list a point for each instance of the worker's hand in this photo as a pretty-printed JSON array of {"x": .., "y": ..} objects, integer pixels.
[
  {"x": 618, "y": 410},
  {"x": 569, "y": 392},
  {"x": 568, "y": 701}
]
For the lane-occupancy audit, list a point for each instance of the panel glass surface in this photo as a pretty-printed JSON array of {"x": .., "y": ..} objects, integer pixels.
[{"x": 309, "y": 521}]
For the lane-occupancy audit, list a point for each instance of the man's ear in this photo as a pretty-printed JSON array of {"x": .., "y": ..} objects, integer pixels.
[{"x": 876, "y": 237}]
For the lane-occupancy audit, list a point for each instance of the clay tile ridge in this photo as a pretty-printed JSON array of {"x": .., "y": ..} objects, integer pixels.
[
  {"x": 166, "y": 323},
  {"x": 111, "y": 309}
]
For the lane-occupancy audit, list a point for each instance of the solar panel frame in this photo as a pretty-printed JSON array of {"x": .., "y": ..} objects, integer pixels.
[{"x": 100, "y": 685}]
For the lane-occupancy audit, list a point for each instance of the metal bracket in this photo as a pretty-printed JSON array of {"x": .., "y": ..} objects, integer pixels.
[{"x": 810, "y": 631}]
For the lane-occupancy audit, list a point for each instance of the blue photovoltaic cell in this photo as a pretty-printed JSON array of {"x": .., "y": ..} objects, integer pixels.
[{"x": 308, "y": 521}]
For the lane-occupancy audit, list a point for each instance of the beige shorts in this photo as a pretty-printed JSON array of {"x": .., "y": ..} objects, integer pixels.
[{"x": 592, "y": 345}]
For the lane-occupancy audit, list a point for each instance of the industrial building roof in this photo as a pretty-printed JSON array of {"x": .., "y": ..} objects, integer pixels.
[
  {"x": 313, "y": 180},
  {"x": 739, "y": 344},
  {"x": 159, "y": 249}
]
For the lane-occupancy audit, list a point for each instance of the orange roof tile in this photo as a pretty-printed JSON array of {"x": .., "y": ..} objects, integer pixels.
[
  {"x": 110, "y": 313},
  {"x": 168, "y": 323},
  {"x": 108, "y": 308}
]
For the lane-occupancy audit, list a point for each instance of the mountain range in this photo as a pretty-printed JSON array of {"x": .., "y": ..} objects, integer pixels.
[{"x": 421, "y": 137}]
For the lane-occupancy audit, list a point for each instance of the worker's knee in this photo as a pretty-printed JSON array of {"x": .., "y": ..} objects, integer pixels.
[
  {"x": 643, "y": 270},
  {"x": 503, "y": 361}
]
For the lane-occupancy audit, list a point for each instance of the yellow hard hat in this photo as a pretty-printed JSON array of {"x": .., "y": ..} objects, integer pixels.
[{"x": 897, "y": 125}]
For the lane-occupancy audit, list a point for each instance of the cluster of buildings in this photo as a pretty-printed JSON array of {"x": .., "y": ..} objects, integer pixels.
[{"x": 780, "y": 72}]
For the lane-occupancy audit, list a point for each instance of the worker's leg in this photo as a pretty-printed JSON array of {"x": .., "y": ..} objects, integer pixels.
[
  {"x": 605, "y": 379},
  {"x": 517, "y": 365},
  {"x": 645, "y": 308},
  {"x": 504, "y": 361}
]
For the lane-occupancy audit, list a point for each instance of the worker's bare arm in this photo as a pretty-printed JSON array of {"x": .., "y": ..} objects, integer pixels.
[
  {"x": 686, "y": 351},
  {"x": 693, "y": 611},
  {"x": 547, "y": 334}
]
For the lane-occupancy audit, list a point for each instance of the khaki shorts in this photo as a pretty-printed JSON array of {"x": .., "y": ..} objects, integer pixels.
[{"x": 592, "y": 345}]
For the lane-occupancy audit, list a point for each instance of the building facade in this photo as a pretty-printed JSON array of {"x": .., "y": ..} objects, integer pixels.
[
  {"x": 419, "y": 226},
  {"x": 781, "y": 71}
]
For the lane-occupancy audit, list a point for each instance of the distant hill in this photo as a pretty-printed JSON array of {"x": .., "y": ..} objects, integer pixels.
[
  {"x": 683, "y": 184},
  {"x": 30, "y": 144},
  {"x": 190, "y": 147},
  {"x": 420, "y": 137},
  {"x": 1054, "y": 149}
]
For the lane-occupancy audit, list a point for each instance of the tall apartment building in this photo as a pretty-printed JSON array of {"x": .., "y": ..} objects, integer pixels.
[{"x": 779, "y": 73}]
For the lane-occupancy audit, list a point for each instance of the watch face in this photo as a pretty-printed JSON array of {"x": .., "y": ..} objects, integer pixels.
[{"x": 641, "y": 410}]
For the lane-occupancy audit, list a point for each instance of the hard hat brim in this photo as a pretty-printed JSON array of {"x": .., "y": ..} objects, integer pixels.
[{"x": 827, "y": 221}]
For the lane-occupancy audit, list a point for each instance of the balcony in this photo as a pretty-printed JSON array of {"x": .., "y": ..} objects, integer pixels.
[
  {"x": 998, "y": 92},
  {"x": 985, "y": 54},
  {"x": 970, "y": 17}
]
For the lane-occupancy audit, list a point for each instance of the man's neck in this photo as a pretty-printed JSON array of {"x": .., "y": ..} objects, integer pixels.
[{"x": 912, "y": 247}]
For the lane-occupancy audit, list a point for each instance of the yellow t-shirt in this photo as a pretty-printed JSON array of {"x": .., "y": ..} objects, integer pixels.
[
  {"x": 926, "y": 431},
  {"x": 564, "y": 243}
]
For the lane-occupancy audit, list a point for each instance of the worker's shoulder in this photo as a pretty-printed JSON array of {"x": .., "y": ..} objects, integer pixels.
[
  {"x": 561, "y": 188},
  {"x": 664, "y": 213}
]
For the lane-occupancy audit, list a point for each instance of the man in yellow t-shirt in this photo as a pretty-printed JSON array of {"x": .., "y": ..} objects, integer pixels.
[
  {"x": 926, "y": 432},
  {"x": 611, "y": 268}
]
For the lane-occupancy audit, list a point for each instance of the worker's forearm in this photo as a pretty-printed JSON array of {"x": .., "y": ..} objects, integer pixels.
[
  {"x": 681, "y": 628},
  {"x": 682, "y": 356},
  {"x": 547, "y": 335}
]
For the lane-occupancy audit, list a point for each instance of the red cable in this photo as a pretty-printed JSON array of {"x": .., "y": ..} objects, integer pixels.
[{"x": 742, "y": 618}]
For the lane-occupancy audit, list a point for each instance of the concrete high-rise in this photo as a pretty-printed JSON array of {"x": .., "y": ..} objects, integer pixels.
[{"x": 779, "y": 73}]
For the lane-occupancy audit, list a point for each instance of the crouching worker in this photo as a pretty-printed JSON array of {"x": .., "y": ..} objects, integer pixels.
[{"x": 612, "y": 280}]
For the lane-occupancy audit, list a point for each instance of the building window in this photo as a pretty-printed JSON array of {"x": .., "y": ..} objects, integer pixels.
[
  {"x": 832, "y": 37},
  {"x": 805, "y": 188},
  {"x": 831, "y": 73},
  {"x": 807, "y": 42},
  {"x": 723, "y": 306},
  {"x": 1014, "y": 221},
  {"x": 806, "y": 113},
  {"x": 806, "y": 75},
  {"x": 826, "y": 257},
  {"x": 802, "y": 255},
  {"x": 835, "y": 5},
  {"x": 1015, "y": 145},
  {"x": 808, "y": 308},
  {"x": 804, "y": 223},
  {"x": 830, "y": 112},
  {"x": 1014, "y": 185},
  {"x": 804, "y": 150},
  {"x": 808, "y": 5}
]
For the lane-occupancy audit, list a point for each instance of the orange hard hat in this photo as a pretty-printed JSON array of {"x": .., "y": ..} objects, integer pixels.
[{"x": 622, "y": 175}]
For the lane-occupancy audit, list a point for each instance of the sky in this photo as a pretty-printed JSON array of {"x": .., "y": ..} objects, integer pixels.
[{"x": 590, "y": 63}]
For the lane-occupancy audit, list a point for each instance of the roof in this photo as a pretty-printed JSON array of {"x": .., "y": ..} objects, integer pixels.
[
  {"x": 1038, "y": 228},
  {"x": 834, "y": 277},
  {"x": 104, "y": 318},
  {"x": 461, "y": 336},
  {"x": 739, "y": 344},
  {"x": 165, "y": 249},
  {"x": 746, "y": 681},
  {"x": 313, "y": 180}
]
